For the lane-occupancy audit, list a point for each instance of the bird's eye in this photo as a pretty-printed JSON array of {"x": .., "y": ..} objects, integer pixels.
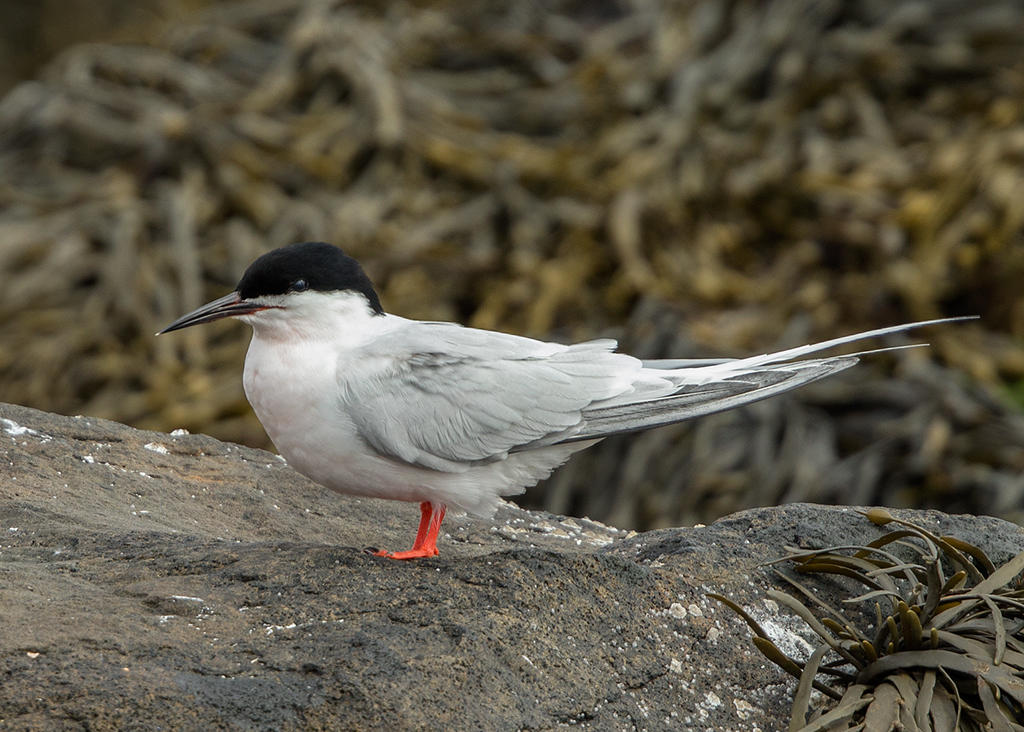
[{"x": 299, "y": 286}]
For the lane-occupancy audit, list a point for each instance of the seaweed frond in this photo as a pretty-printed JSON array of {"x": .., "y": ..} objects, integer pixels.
[{"x": 945, "y": 648}]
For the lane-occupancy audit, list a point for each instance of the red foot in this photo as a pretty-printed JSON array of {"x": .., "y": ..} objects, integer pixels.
[
  {"x": 426, "y": 536},
  {"x": 408, "y": 554}
]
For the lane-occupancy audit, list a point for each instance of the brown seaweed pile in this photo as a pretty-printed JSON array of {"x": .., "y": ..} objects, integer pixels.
[
  {"x": 943, "y": 653},
  {"x": 697, "y": 178}
]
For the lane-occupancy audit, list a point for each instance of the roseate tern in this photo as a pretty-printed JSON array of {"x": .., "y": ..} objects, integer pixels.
[{"x": 373, "y": 404}]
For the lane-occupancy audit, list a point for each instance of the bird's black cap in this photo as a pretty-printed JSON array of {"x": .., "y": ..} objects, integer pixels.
[{"x": 311, "y": 265}]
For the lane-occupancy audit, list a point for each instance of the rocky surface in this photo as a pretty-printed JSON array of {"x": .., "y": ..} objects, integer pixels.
[{"x": 159, "y": 581}]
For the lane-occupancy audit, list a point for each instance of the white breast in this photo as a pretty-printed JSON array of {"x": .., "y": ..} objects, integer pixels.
[
  {"x": 293, "y": 380},
  {"x": 293, "y": 391}
]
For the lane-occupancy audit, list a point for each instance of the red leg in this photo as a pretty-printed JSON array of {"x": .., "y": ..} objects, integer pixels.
[
  {"x": 421, "y": 533},
  {"x": 426, "y": 536}
]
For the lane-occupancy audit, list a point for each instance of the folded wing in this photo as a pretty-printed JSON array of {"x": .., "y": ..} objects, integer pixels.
[{"x": 450, "y": 397}]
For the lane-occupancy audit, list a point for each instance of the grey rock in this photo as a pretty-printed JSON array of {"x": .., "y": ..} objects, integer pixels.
[{"x": 162, "y": 581}]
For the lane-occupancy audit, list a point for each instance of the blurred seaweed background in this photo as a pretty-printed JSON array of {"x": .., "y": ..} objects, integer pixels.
[{"x": 694, "y": 178}]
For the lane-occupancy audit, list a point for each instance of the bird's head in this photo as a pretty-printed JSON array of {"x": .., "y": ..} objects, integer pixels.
[{"x": 297, "y": 287}]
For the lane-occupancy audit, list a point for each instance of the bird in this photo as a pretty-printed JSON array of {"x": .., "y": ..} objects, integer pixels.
[{"x": 369, "y": 403}]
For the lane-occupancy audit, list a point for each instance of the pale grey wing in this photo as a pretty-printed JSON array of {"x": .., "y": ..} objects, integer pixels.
[
  {"x": 462, "y": 397},
  {"x": 698, "y": 400}
]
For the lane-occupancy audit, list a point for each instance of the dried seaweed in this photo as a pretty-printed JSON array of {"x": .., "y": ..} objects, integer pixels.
[
  {"x": 698, "y": 178},
  {"x": 946, "y": 650}
]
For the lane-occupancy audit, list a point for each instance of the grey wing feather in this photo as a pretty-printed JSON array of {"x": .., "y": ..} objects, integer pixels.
[
  {"x": 702, "y": 399},
  {"x": 715, "y": 385},
  {"x": 683, "y": 363}
]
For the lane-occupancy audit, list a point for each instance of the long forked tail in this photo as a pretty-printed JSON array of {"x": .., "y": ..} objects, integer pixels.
[{"x": 706, "y": 387}]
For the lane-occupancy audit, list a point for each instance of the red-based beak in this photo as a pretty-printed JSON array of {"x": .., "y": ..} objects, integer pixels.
[{"x": 224, "y": 307}]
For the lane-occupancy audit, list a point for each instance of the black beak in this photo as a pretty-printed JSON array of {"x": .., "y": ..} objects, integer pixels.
[{"x": 223, "y": 307}]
